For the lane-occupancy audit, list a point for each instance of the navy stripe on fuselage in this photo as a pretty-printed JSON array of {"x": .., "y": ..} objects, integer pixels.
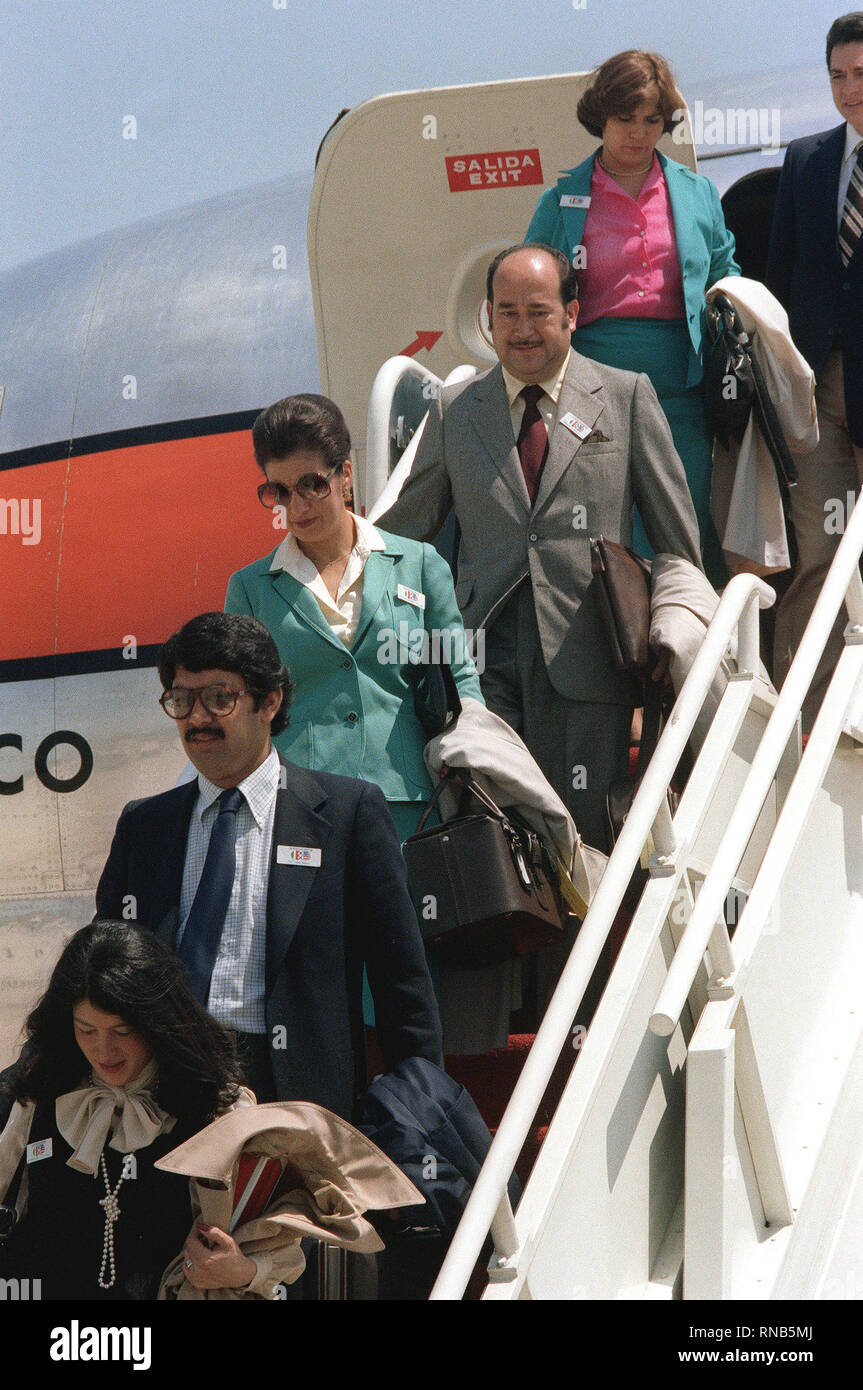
[
  {"x": 41, "y": 668},
  {"x": 128, "y": 439}
]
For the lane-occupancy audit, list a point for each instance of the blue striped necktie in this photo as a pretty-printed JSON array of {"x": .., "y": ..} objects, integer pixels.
[
  {"x": 200, "y": 944},
  {"x": 851, "y": 225}
]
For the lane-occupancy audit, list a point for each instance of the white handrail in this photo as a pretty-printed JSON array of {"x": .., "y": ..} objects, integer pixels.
[
  {"x": 694, "y": 942},
  {"x": 378, "y": 506},
  {"x": 377, "y": 429},
  {"x": 738, "y": 608}
]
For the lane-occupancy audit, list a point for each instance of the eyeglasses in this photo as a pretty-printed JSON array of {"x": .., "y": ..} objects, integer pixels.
[
  {"x": 216, "y": 699},
  {"x": 311, "y": 485}
]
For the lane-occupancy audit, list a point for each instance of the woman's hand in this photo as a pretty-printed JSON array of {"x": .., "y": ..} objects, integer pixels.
[{"x": 213, "y": 1260}]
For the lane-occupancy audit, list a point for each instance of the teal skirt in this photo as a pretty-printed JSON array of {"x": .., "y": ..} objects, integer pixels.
[{"x": 660, "y": 348}]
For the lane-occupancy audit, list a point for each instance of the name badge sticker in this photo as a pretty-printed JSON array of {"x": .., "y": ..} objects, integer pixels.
[
  {"x": 302, "y": 855},
  {"x": 575, "y": 200},
  {"x": 574, "y": 425},
  {"x": 42, "y": 1148},
  {"x": 411, "y": 596}
]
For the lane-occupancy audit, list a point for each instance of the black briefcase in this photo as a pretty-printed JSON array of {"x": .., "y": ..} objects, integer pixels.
[{"x": 485, "y": 883}]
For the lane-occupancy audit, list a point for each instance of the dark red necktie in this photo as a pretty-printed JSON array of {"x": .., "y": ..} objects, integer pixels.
[{"x": 532, "y": 443}]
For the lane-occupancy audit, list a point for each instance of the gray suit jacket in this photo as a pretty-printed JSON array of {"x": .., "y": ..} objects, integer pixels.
[{"x": 467, "y": 460}]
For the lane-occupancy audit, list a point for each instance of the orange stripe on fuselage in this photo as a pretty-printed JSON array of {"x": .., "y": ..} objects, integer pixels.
[{"x": 147, "y": 536}]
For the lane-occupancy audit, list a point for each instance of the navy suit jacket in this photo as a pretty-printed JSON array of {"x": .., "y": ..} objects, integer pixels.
[
  {"x": 805, "y": 270},
  {"x": 323, "y": 924}
]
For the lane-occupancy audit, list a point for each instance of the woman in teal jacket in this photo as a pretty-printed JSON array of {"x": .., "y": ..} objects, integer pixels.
[
  {"x": 351, "y": 609},
  {"x": 648, "y": 238}
]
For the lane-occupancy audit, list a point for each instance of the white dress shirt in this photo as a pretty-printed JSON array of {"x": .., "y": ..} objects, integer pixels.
[
  {"x": 238, "y": 984},
  {"x": 547, "y": 404},
  {"x": 342, "y": 612}
]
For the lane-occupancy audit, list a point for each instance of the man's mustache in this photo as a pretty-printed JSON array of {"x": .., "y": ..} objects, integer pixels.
[{"x": 191, "y": 734}]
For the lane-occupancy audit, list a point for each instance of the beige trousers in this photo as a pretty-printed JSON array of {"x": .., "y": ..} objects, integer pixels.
[{"x": 829, "y": 479}]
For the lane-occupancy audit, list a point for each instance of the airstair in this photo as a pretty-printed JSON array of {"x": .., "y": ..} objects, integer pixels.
[{"x": 709, "y": 1141}]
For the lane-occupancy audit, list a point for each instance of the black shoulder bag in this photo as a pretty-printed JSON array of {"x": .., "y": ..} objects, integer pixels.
[
  {"x": 489, "y": 879},
  {"x": 734, "y": 386}
]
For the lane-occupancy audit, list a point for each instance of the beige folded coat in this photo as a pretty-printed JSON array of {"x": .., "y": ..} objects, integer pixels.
[{"x": 333, "y": 1174}]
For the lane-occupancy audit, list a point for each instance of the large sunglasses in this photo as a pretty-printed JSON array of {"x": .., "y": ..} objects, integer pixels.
[
  {"x": 179, "y": 702},
  {"x": 316, "y": 486}
]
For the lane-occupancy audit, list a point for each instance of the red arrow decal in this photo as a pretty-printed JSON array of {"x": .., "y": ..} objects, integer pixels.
[{"x": 422, "y": 340}]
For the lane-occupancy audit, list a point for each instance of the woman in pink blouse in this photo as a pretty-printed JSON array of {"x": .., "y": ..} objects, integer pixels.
[{"x": 647, "y": 237}]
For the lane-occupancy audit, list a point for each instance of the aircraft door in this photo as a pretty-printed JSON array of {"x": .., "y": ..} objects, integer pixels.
[
  {"x": 414, "y": 194},
  {"x": 748, "y": 207}
]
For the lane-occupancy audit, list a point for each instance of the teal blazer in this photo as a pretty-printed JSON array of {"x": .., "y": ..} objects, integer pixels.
[
  {"x": 353, "y": 710},
  {"x": 705, "y": 247}
]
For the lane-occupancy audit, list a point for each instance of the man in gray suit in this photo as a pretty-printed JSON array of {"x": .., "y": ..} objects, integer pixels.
[{"x": 536, "y": 456}]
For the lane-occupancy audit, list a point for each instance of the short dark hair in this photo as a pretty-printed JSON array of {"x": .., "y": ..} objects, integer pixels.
[
  {"x": 620, "y": 85},
  {"x": 124, "y": 969},
  {"x": 847, "y": 29},
  {"x": 307, "y": 422},
  {"x": 567, "y": 277},
  {"x": 230, "y": 642}
]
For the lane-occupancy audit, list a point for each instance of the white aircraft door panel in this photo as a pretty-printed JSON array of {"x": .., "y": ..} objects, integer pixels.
[{"x": 413, "y": 196}]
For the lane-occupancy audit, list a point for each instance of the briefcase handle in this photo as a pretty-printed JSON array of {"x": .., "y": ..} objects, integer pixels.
[
  {"x": 525, "y": 845},
  {"x": 461, "y": 778}
]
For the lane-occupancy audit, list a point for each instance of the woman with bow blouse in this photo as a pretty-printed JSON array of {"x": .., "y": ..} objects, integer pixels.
[{"x": 121, "y": 1065}]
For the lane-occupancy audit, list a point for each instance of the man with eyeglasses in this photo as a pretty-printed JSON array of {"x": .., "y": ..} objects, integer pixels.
[{"x": 275, "y": 885}]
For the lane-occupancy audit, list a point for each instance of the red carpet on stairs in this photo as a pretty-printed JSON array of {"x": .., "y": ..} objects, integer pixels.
[{"x": 490, "y": 1079}]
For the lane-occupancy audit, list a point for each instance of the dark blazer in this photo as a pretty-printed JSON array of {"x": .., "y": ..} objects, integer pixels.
[
  {"x": 805, "y": 271},
  {"x": 323, "y": 924},
  {"x": 417, "y": 1112}
]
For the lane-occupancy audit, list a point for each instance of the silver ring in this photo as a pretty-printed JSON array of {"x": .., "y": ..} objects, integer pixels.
[{"x": 188, "y": 1264}]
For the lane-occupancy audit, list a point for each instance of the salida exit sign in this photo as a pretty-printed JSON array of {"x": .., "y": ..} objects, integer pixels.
[{"x": 497, "y": 169}]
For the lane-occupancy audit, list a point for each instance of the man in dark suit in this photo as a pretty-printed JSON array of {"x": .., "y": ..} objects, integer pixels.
[
  {"x": 277, "y": 895},
  {"x": 815, "y": 269},
  {"x": 531, "y": 477}
]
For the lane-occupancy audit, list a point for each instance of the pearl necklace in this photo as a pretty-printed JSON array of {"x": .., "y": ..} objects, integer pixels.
[
  {"x": 112, "y": 1214},
  {"x": 622, "y": 173}
]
